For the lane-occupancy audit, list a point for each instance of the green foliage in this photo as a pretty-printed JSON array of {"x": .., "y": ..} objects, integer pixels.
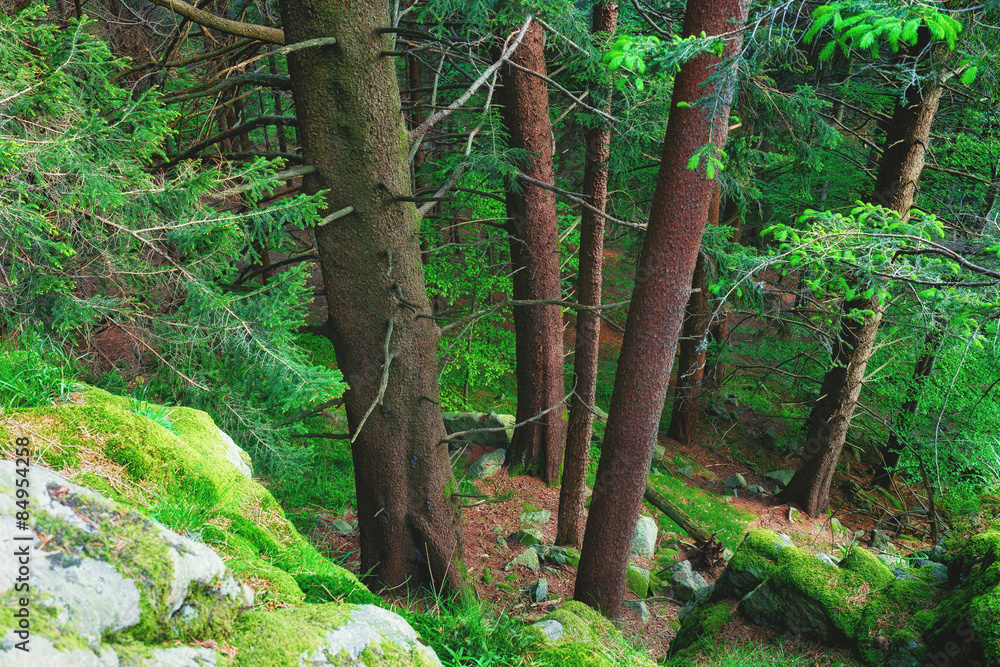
[
  {"x": 33, "y": 376},
  {"x": 867, "y": 23},
  {"x": 96, "y": 242}
]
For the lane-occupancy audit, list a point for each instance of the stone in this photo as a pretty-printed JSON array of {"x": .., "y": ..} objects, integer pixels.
[
  {"x": 540, "y": 590},
  {"x": 368, "y": 629},
  {"x": 637, "y": 580},
  {"x": 557, "y": 555},
  {"x": 474, "y": 422},
  {"x": 794, "y": 516},
  {"x": 827, "y": 559},
  {"x": 551, "y": 628},
  {"x": 644, "y": 539},
  {"x": 940, "y": 571},
  {"x": 540, "y": 517},
  {"x": 837, "y": 527},
  {"x": 527, "y": 536},
  {"x": 780, "y": 477},
  {"x": 772, "y": 441},
  {"x": 641, "y": 608},
  {"x": 658, "y": 452},
  {"x": 685, "y": 581},
  {"x": 235, "y": 455},
  {"x": 502, "y": 542},
  {"x": 341, "y": 527},
  {"x": 755, "y": 490},
  {"x": 488, "y": 465},
  {"x": 880, "y": 542},
  {"x": 686, "y": 471},
  {"x": 736, "y": 482},
  {"x": 527, "y": 558}
]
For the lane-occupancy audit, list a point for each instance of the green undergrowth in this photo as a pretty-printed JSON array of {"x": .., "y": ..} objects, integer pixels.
[{"x": 709, "y": 510}]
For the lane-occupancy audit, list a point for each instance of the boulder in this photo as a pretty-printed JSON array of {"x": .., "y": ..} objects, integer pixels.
[
  {"x": 527, "y": 558},
  {"x": 540, "y": 517},
  {"x": 880, "y": 542},
  {"x": 736, "y": 482},
  {"x": 637, "y": 580},
  {"x": 527, "y": 536},
  {"x": 552, "y": 629},
  {"x": 644, "y": 539},
  {"x": 780, "y": 477},
  {"x": 540, "y": 590},
  {"x": 235, "y": 455},
  {"x": 685, "y": 581},
  {"x": 488, "y": 465},
  {"x": 641, "y": 608},
  {"x": 475, "y": 423},
  {"x": 686, "y": 471}
]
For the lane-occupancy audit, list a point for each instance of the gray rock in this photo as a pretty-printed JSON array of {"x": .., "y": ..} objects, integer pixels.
[
  {"x": 475, "y": 423},
  {"x": 527, "y": 558},
  {"x": 780, "y": 477},
  {"x": 755, "y": 490},
  {"x": 686, "y": 471},
  {"x": 785, "y": 540},
  {"x": 777, "y": 607},
  {"x": 488, "y": 465},
  {"x": 341, "y": 527},
  {"x": 235, "y": 455},
  {"x": 880, "y": 542},
  {"x": 658, "y": 452},
  {"x": 826, "y": 559},
  {"x": 903, "y": 575},
  {"x": 540, "y": 590},
  {"x": 501, "y": 541},
  {"x": 552, "y": 629},
  {"x": 176, "y": 656},
  {"x": 369, "y": 627},
  {"x": 641, "y": 608},
  {"x": 540, "y": 517},
  {"x": 837, "y": 527},
  {"x": 794, "y": 516},
  {"x": 685, "y": 581},
  {"x": 644, "y": 539},
  {"x": 736, "y": 482},
  {"x": 772, "y": 441},
  {"x": 527, "y": 536}
]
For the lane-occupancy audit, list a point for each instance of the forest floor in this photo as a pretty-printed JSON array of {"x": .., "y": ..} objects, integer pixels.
[{"x": 485, "y": 522}]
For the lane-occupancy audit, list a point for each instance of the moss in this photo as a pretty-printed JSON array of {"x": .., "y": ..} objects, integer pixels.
[
  {"x": 581, "y": 622},
  {"x": 574, "y": 654},
  {"x": 278, "y": 637},
  {"x": 862, "y": 562},
  {"x": 319, "y": 349},
  {"x": 700, "y": 626},
  {"x": 256, "y": 535}
]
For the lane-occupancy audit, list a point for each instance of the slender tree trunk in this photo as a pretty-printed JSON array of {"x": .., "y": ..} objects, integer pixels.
[
  {"x": 588, "y": 323},
  {"x": 662, "y": 286},
  {"x": 885, "y": 473},
  {"x": 350, "y": 127},
  {"x": 537, "y": 446},
  {"x": 694, "y": 344},
  {"x": 906, "y": 141}
]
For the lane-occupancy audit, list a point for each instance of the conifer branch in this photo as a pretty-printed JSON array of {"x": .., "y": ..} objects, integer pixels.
[{"x": 209, "y": 20}]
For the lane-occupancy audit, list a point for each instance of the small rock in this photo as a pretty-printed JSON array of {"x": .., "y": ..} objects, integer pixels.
[
  {"x": 551, "y": 628},
  {"x": 644, "y": 540},
  {"x": 785, "y": 540},
  {"x": 794, "y": 516},
  {"x": 754, "y": 490},
  {"x": 903, "y": 575},
  {"x": 880, "y": 542},
  {"x": 341, "y": 527},
  {"x": 540, "y": 590},
  {"x": 687, "y": 471},
  {"x": 527, "y": 536},
  {"x": 736, "y": 482},
  {"x": 487, "y": 577},
  {"x": 772, "y": 441},
  {"x": 780, "y": 477},
  {"x": 488, "y": 465},
  {"x": 637, "y": 580},
  {"x": 685, "y": 581},
  {"x": 527, "y": 558},
  {"x": 827, "y": 559},
  {"x": 837, "y": 527},
  {"x": 640, "y": 607},
  {"x": 540, "y": 517},
  {"x": 502, "y": 542},
  {"x": 940, "y": 571}
]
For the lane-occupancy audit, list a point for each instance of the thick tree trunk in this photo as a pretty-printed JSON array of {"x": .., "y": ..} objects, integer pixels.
[
  {"x": 906, "y": 141},
  {"x": 534, "y": 254},
  {"x": 569, "y": 531},
  {"x": 350, "y": 127},
  {"x": 885, "y": 473},
  {"x": 662, "y": 286}
]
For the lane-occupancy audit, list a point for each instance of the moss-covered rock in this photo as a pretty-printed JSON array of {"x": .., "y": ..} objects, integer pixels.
[{"x": 585, "y": 639}]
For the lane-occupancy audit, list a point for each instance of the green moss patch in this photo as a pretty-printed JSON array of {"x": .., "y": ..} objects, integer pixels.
[{"x": 707, "y": 509}]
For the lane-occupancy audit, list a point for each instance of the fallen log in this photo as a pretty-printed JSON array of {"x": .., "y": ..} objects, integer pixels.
[{"x": 679, "y": 516}]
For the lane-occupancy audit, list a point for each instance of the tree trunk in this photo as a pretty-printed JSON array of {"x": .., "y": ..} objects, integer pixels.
[
  {"x": 350, "y": 127},
  {"x": 885, "y": 473},
  {"x": 662, "y": 286},
  {"x": 679, "y": 516},
  {"x": 588, "y": 323},
  {"x": 537, "y": 446},
  {"x": 694, "y": 345},
  {"x": 906, "y": 141}
]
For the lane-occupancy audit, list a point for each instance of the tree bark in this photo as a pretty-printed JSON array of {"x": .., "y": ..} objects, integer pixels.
[
  {"x": 662, "y": 286},
  {"x": 906, "y": 142},
  {"x": 537, "y": 446},
  {"x": 569, "y": 531},
  {"x": 694, "y": 345},
  {"x": 350, "y": 127}
]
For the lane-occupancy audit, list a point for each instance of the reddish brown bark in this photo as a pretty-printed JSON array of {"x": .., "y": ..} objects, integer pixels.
[
  {"x": 350, "y": 127},
  {"x": 906, "y": 142},
  {"x": 662, "y": 286},
  {"x": 695, "y": 336},
  {"x": 537, "y": 446},
  {"x": 569, "y": 531}
]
